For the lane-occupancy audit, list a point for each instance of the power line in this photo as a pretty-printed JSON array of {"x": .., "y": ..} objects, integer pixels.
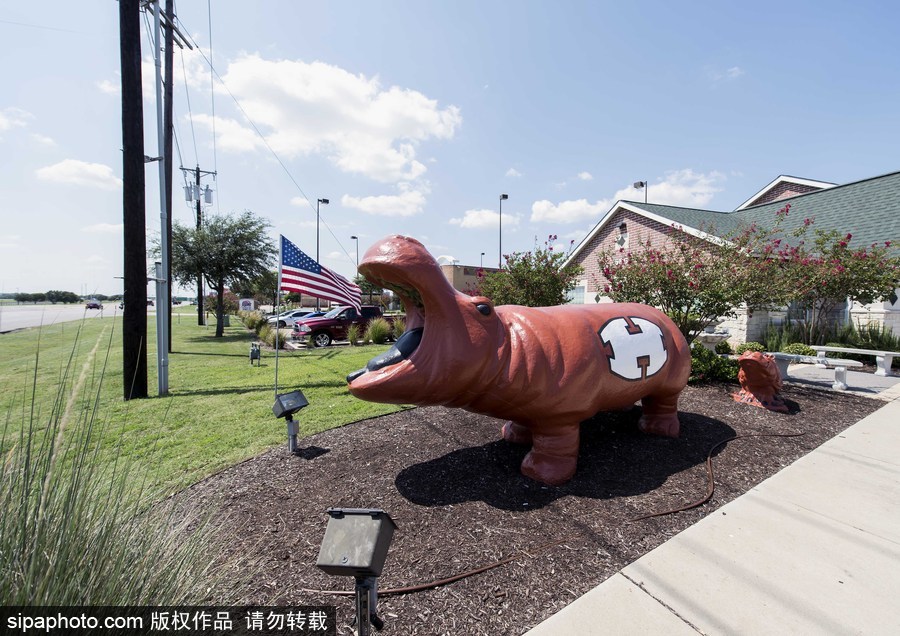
[
  {"x": 212, "y": 97},
  {"x": 187, "y": 95}
]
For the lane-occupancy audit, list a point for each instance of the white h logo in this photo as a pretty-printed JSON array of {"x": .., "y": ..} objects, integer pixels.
[{"x": 636, "y": 347}]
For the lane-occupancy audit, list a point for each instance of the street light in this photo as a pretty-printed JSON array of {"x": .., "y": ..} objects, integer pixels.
[
  {"x": 482, "y": 260},
  {"x": 318, "y": 201},
  {"x": 503, "y": 197},
  {"x": 356, "y": 238},
  {"x": 642, "y": 185}
]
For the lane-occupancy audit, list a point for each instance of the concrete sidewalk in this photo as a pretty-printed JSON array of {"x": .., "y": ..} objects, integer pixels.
[{"x": 815, "y": 549}]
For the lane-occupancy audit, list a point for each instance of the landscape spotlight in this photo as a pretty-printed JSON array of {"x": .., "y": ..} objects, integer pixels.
[
  {"x": 355, "y": 544},
  {"x": 286, "y": 404}
]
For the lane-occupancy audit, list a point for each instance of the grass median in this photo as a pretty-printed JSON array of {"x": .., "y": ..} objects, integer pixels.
[{"x": 218, "y": 411}]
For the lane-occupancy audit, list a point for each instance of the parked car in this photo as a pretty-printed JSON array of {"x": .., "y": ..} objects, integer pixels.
[
  {"x": 288, "y": 318},
  {"x": 93, "y": 303},
  {"x": 320, "y": 332},
  {"x": 149, "y": 302}
]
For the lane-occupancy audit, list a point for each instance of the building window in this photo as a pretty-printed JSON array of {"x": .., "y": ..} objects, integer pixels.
[{"x": 576, "y": 296}]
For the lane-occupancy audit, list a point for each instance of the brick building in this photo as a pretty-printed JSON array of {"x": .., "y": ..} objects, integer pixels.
[{"x": 868, "y": 209}]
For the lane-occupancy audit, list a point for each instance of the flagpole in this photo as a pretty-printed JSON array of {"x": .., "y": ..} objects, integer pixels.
[{"x": 277, "y": 305}]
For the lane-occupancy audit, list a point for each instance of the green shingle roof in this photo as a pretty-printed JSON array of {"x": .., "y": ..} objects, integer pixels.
[{"x": 867, "y": 209}]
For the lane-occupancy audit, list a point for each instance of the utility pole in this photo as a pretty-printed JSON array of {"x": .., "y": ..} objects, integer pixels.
[
  {"x": 134, "y": 321},
  {"x": 167, "y": 155},
  {"x": 200, "y": 320},
  {"x": 193, "y": 193},
  {"x": 162, "y": 283}
]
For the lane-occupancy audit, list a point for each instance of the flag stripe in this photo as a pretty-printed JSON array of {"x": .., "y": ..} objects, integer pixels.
[{"x": 300, "y": 273}]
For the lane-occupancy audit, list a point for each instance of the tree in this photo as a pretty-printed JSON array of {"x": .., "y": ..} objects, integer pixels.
[
  {"x": 261, "y": 289},
  {"x": 534, "y": 279},
  {"x": 229, "y": 251},
  {"x": 367, "y": 288},
  {"x": 698, "y": 279},
  {"x": 830, "y": 272}
]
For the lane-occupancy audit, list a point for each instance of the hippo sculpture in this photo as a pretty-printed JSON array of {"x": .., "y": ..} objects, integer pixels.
[
  {"x": 543, "y": 369},
  {"x": 760, "y": 382}
]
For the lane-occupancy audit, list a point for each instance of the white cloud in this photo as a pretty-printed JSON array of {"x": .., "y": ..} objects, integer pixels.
[
  {"x": 104, "y": 228},
  {"x": 95, "y": 259},
  {"x": 408, "y": 203},
  {"x": 731, "y": 73},
  {"x": 95, "y": 175},
  {"x": 43, "y": 140},
  {"x": 679, "y": 187},
  {"x": 479, "y": 219},
  {"x": 111, "y": 88},
  {"x": 585, "y": 176},
  {"x": 10, "y": 240},
  {"x": 305, "y": 108},
  {"x": 567, "y": 211},
  {"x": 512, "y": 172},
  {"x": 13, "y": 118}
]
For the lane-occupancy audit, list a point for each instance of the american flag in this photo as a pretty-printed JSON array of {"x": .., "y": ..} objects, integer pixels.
[{"x": 300, "y": 273}]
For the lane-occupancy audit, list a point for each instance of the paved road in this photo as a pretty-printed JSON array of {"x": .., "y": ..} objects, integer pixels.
[{"x": 14, "y": 317}]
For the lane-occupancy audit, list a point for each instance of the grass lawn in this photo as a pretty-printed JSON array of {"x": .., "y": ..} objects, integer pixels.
[{"x": 218, "y": 411}]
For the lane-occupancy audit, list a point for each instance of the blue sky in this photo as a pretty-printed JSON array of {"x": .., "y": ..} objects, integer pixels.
[{"x": 413, "y": 117}]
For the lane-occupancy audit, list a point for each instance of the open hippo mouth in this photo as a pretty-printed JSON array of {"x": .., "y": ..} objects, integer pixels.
[
  {"x": 402, "y": 349},
  {"x": 404, "y": 266}
]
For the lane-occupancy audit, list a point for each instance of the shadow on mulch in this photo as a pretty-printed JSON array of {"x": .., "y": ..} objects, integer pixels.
[
  {"x": 611, "y": 463},
  {"x": 460, "y": 503}
]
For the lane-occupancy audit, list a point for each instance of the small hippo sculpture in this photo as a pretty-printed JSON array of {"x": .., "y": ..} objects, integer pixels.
[
  {"x": 544, "y": 369},
  {"x": 760, "y": 382}
]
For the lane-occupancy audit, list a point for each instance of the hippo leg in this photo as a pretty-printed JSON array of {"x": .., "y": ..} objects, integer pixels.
[
  {"x": 660, "y": 415},
  {"x": 554, "y": 454},
  {"x": 516, "y": 433}
]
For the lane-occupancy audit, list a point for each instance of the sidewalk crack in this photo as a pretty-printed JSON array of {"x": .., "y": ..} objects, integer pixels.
[{"x": 663, "y": 603}]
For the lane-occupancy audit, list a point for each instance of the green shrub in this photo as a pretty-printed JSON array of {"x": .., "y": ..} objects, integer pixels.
[
  {"x": 378, "y": 331},
  {"x": 707, "y": 366},
  {"x": 353, "y": 335},
  {"x": 268, "y": 333},
  {"x": 799, "y": 349},
  {"x": 724, "y": 348},
  {"x": 749, "y": 346},
  {"x": 399, "y": 327},
  {"x": 253, "y": 320}
]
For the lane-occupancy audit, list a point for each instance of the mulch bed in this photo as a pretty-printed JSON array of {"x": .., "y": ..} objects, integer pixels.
[{"x": 455, "y": 491}]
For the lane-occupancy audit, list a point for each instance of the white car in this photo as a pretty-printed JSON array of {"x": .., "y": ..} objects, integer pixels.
[{"x": 287, "y": 318}]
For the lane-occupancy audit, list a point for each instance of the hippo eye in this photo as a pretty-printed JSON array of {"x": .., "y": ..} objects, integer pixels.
[{"x": 484, "y": 309}]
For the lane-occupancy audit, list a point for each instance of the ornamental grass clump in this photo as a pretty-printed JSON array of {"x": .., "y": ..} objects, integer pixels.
[
  {"x": 76, "y": 527},
  {"x": 399, "y": 327},
  {"x": 378, "y": 331},
  {"x": 353, "y": 335}
]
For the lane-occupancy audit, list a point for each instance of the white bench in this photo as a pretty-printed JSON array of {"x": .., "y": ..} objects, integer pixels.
[
  {"x": 883, "y": 359},
  {"x": 782, "y": 360}
]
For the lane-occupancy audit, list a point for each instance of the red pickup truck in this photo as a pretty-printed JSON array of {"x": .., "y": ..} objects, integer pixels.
[{"x": 320, "y": 332}]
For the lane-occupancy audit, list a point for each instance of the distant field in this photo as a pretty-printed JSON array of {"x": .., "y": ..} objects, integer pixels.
[{"x": 218, "y": 411}]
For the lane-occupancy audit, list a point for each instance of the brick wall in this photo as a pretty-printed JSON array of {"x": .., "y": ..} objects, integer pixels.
[
  {"x": 639, "y": 229},
  {"x": 783, "y": 190}
]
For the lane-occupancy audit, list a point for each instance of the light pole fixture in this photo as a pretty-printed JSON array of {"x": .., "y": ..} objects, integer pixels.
[
  {"x": 482, "y": 260},
  {"x": 642, "y": 185},
  {"x": 503, "y": 197},
  {"x": 318, "y": 201},
  {"x": 356, "y": 238}
]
